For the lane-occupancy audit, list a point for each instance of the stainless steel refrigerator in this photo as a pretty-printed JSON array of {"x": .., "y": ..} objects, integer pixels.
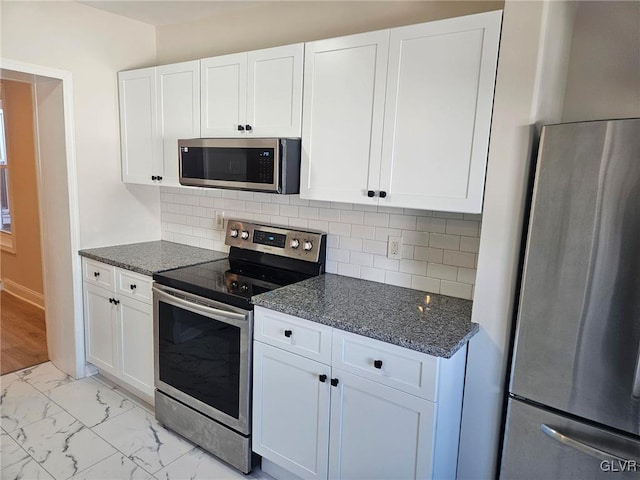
[{"x": 574, "y": 392}]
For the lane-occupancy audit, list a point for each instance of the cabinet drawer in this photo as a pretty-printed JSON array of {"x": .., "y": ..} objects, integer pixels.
[
  {"x": 97, "y": 273},
  {"x": 407, "y": 370},
  {"x": 309, "y": 339},
  {"x": 133, "y": 285}
]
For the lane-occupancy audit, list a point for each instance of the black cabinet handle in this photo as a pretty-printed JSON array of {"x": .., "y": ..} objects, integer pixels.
[
  {"x": 371, "y": 194},
  {"x": 334, "y": 382},
  {"x": 288, "y": 333},
  {"x": 322, "y": 378},
  {"x": 154, "y": 178},
  {"x": 382, "y": 194},
  {"x": 158, "y": 178},
  {"x": 377, "y": 363},
  {"x": 96, "y": 274},
  {"x": 240, "y": 128},
  {"x": 132, "y": 286},
  {"x": 116, "y": 302},
  {"x": 248, "y": 127},
  {"x": 111, "y": 300}
]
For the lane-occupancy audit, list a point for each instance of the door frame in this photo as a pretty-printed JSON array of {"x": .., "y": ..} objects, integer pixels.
[{"x": 74, "y": 358}]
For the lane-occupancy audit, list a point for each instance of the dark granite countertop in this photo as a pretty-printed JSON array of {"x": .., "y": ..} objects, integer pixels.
[
  {"x": 148, "y": 258},
  {"x": 426, "y": 322}
]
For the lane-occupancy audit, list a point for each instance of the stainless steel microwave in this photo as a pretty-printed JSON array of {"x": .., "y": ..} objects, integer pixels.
[{"x": 258, "y": 164}]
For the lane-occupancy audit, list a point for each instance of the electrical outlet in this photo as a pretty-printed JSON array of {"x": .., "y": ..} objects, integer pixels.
[
  {"x": 394, "y": 248},
  {"x": 218, "y": 220}
]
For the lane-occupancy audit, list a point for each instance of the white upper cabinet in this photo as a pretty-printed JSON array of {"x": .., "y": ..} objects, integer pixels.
[
  {"x": 438, "y": 113},
  {"x": 224, "y": 95},
  {"x": 342, "y": 117},
  {"x": 158, "y": 105},
  {"x": 402, "y": 115},
  {"x": 178, "y": 112},
  {"x": 258, "y": 93},
  {"x": 138, "y": 125}
]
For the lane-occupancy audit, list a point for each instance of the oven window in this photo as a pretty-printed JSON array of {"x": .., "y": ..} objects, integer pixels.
[
  {"x": 200, "y": 356},
  {"x": 254, "y": 165}
]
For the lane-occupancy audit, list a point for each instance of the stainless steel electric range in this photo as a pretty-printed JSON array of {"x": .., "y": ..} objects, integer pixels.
[{"x": 203, "y": 328}]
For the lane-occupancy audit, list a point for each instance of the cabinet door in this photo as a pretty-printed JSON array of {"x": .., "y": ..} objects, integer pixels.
[
  {"x": 223, "y": 84},
  {"x": 138, "y": 125},
  {"x": 438, "y": 113},
  {"x": 343, "y": 109},
  {"x": 274, "y": 91},
  {"x": 178, "y": 113},
  {"x": 100, "y": 328},
  {"x": 378, "y": 432},
  {"x": 291, "y": 411},
  {"x": 136, "y": 344}
]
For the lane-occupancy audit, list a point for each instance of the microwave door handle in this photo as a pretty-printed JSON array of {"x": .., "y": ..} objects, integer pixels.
[{"x": 199, "y": 307}]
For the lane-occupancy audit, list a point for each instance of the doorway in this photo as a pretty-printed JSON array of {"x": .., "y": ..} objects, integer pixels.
[
  {"x": 57, "y": 201},
  {"x": 22, "y": 318}
]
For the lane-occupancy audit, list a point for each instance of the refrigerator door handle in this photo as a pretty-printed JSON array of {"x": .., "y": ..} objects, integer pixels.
[
  {"x": 636, "y": 380},
  {"x": 580, "y": 446}
]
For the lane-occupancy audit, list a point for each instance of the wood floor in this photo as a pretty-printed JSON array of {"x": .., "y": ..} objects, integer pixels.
[{"x": 23, "y": 334}]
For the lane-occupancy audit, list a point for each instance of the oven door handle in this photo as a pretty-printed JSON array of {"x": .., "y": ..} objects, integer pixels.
[{"x": 198, "y": 306}]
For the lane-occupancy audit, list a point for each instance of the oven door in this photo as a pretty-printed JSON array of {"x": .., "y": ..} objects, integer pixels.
[
  {"x": 203, "y": 355},
  {"x": 252, "y": 164}
]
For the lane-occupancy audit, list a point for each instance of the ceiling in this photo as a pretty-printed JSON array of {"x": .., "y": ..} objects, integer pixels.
[{"x": 165, "y": 12}]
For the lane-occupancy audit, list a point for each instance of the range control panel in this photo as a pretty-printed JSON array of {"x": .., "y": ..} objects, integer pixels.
[{"x": 300, "y": 244}]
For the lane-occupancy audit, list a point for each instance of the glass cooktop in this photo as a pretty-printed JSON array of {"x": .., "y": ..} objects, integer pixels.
[{"x": 230, "y": 281}]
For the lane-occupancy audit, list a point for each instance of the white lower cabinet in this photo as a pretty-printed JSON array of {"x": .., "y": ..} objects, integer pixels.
[
  {"x": 119, "y": 326},
  {"x": 374, "y": 410}
]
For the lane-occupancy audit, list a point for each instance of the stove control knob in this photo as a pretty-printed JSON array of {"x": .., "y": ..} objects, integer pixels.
[
  {"x": 233, "y": 233},
  {"x": 295, "y": 243},
  {"x": 234, "y": 285},
  {"x": 307, "y": 245},
  {"x": 244, "y": 287},
  {"x": 244, "y": 235}
]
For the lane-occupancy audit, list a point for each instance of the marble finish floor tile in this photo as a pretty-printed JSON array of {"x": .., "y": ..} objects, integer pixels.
[
  {"x": 89, "y": 401},
  {"x": 116, "y": 466},
  {"x": 62, "y": 445},
  {"x": 22, "y": 405},
  {"x": 28, "y": 469},
  {"x": 198, "y": 465},
  {"x": 139, "y": 436},
  {"x": 44, "y": 377},
  {"x": 6, "y": 380}
]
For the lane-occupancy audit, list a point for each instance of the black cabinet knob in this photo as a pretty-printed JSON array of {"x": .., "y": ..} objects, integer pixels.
[
  {"x": 96, "y": 274},
  {"x": 382, "y": 194},
  {"x": 371, "y": 194},
  {"x": 132, "y": 286},
  {"x": 158, "y": 178},
  {"x": 377, "y": 363},
  {"x": 288, "y": 333},
  {"x": 240, "y": 128},
  {"x": 322, "y": 378},
  {"x": 116, "y": 302},
  {"x": 154, "y": 178},
  {"x": 249, "y": 128},
  {"x": 111, "y": 300},
  {"x": 334, "y": 382}
]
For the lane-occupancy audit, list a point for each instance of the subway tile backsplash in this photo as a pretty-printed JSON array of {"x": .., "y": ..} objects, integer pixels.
[{"x": 439, "y": 251}]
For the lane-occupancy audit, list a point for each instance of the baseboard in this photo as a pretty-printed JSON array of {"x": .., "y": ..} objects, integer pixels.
[{"x": 23, "y": 293}]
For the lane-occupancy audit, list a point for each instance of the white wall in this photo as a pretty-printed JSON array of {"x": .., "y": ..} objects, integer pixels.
[
  {"x": 528, "y": 86},
  {"x": 92, "y": 45},
  {"x": 269, "y": 24},
  {"x": 604, "y": 70}
]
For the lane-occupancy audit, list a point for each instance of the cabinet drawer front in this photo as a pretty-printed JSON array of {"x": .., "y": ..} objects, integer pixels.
[
  {"x": 406, "y": 370},
  {"x": 309, "y": 339},
  {"x": 133, "y": 285},
  {"x": 98, "y": 273}
]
